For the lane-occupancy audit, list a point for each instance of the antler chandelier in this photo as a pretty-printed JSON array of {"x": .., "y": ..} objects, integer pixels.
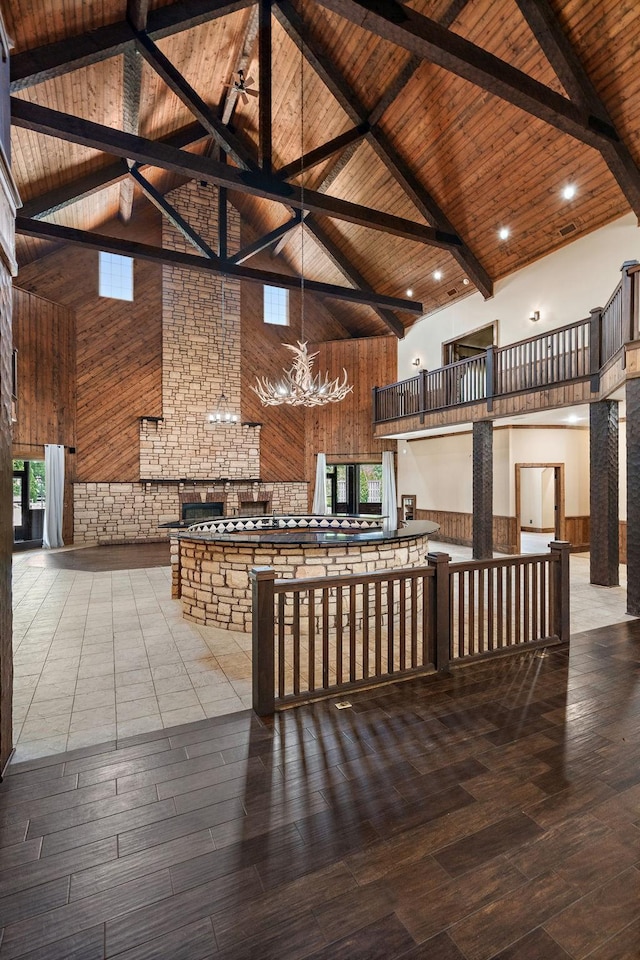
[{"x": 299, "y": 386}]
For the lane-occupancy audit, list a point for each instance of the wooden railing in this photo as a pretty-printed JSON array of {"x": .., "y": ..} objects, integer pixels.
[
  {"x": 574, "y": 352},
  {"x": 318, "y": 637},
  {"x": 553, "y": 357}
]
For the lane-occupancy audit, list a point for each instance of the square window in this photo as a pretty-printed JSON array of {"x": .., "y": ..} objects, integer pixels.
[
  {"x": 116, "y": 276},
  {"x": 276, "y": 306}
]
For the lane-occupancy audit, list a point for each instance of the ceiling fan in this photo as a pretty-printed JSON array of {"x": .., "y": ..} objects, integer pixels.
[{"x": 244, "y": 86}]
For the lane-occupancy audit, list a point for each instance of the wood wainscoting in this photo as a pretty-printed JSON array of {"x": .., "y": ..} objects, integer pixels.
[
  {"x": 456, "y": 527},
  {"x": 577, "y": 532}
]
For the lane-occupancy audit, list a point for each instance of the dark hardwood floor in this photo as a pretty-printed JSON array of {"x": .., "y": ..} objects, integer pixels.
[
  {"x": 494, "y": 813},
  {"x": 130, "y": 556}
]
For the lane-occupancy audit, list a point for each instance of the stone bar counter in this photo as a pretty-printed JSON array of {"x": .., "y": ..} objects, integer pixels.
[{"x": 211, "y": 561}]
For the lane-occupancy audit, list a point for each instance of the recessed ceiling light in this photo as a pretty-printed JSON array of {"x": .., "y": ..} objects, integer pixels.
[
  {"x": 503, "y": 233},
  {"x": 466, "y": 281},
  {"x": 437, "y": 275},
  {"x": 409, "y": 292},
  {"x": 569, "y": 191}
]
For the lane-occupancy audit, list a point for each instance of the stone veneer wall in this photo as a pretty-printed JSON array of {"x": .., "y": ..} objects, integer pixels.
[
  {"x": 213, "y": 578},
  {"x": 117, "y": 512},
  {"x": 200, "y": 360}
]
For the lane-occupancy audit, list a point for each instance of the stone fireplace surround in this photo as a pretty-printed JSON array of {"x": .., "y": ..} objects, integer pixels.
[{"x": 132, "y": 512}]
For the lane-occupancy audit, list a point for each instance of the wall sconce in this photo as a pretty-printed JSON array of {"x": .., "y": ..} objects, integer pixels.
[
  {"x": 416, "y": 362},
  {"x": 534, "y": 316}
]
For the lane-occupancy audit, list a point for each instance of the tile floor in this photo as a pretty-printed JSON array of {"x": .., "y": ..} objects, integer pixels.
[{"x": 104, "y": 655}]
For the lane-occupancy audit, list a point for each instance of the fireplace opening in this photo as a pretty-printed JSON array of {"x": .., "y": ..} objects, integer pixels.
[{"x": 194, "y": 512}]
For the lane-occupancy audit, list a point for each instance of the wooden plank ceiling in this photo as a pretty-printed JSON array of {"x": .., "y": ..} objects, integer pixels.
[{"x": 418, "y": 140}]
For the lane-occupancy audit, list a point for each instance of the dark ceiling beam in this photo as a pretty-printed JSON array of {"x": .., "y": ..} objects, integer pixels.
[
  {"x": 100, "y": 137},
  {"x": 55, "y": 59},
  {"x": 265, "y": 67},
  {"x": 428, "y": 207},
  {"x": 201, "y": 111},
  {"x": 313, "y": 157},
  {"x": 47, "y": 203},
  {"x": 143, "y": 251},
  {"x": 563, "y": 58},
  {"x": 170, "y": 213},
  {"x": 425, "y": 38},
  {"x": 396, "y": 165},
  {"x": 262, "y": 243},
  {"x": 348, "y": 270}
]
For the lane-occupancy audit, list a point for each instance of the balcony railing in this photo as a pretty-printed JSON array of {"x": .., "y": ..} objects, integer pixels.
[{"x": 571, "y": 353}]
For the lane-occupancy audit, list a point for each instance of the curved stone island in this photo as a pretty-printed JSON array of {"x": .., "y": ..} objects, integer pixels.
[{"x": 211, "y": 560}]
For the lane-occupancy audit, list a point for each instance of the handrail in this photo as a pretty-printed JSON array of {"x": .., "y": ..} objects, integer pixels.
[{"x": 318, "y": 636}]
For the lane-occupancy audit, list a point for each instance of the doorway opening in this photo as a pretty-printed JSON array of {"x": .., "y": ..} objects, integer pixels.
[
  {"x": 540, "y": 506},
  {"x": 28, "y": 503},
  {"x": 472, "y": 344},
  {"x": 354, "y": 488}
]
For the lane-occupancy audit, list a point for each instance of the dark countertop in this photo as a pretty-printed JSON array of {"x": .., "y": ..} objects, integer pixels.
[{"x": 326, "y": 538}]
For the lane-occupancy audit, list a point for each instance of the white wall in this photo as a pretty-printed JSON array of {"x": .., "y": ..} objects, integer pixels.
[
  {"x": 563, "y": 286},
  {"x": 438, "y": 470}
]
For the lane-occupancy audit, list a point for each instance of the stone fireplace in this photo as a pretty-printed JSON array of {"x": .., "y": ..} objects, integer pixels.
[{"x": 186, "y": 461}]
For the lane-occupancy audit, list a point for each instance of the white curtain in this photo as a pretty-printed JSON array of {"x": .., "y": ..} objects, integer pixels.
[
  {"x": 320, "y": 492},
  {"x": 54, "y": 495},
  {"x": 389, "y": 495}
]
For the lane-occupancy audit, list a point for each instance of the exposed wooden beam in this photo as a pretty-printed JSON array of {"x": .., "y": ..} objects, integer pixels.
[
  {"x": 425, "y": 38},
  {"x": 394, "y": 89},
  {"x": 396, "y": 165},
  {"x": 428, "y": 207},
  {"x": 143, "y": 251},
  {"x": 47, "y": 203},
  {"x": 55, "y": 59},
  {"x": 176, "y": 82},
  {"x": 262, "y": 243},
  {"x": 337, "y": 145},
  {"x": 170, "y": 213},
  {"x": 137, "y": 12},
  {"x": 131, "y": 86},
  {"x": 563, "y": 58},
  {"x": 265, "y": 117},
  {"x": 99, "y": 137},
  {"x": 349, "y": 271},
  {"x": 242, "y": 62}
]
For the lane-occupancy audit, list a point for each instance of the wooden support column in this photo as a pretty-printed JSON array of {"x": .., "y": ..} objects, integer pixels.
[
  {"x": 633, "y": 496},
  {"x": 603, "y": 472},
  {"x": 483, "y": 490}
]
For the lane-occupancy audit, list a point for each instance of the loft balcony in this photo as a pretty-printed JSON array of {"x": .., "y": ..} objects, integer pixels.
[{"x": 578, "y": 363}]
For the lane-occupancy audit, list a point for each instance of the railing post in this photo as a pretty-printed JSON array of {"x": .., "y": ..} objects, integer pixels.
[
  {"x": 595, "y": 347},
  {"x": 560, "y": 582},
  {"x": 442, "y": 612},
  {"x": 263, "y": 640},
  {"x": 374, "y": 404},
  {"x": 629, "y": 307},
  {"x": 423, "y": 393},
  {"x": 490, "y": 377}
]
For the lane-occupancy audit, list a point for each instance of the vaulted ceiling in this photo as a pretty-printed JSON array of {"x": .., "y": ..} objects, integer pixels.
[{"x": 402, "y": 136}]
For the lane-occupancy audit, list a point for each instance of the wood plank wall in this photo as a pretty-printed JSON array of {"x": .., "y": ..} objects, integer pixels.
[
  {"x": 456, "y": 527},
  {"x": 6, "y": 519},
  {"x": 44, "y": 336},
  {"x": 118, "y": 351},
  {"x": 344, "y": 431}
]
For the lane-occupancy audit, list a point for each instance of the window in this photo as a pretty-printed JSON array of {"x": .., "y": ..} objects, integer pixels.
[
  {"x": 116, "y": 276},
  {"x": 276, "y": 306}
]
